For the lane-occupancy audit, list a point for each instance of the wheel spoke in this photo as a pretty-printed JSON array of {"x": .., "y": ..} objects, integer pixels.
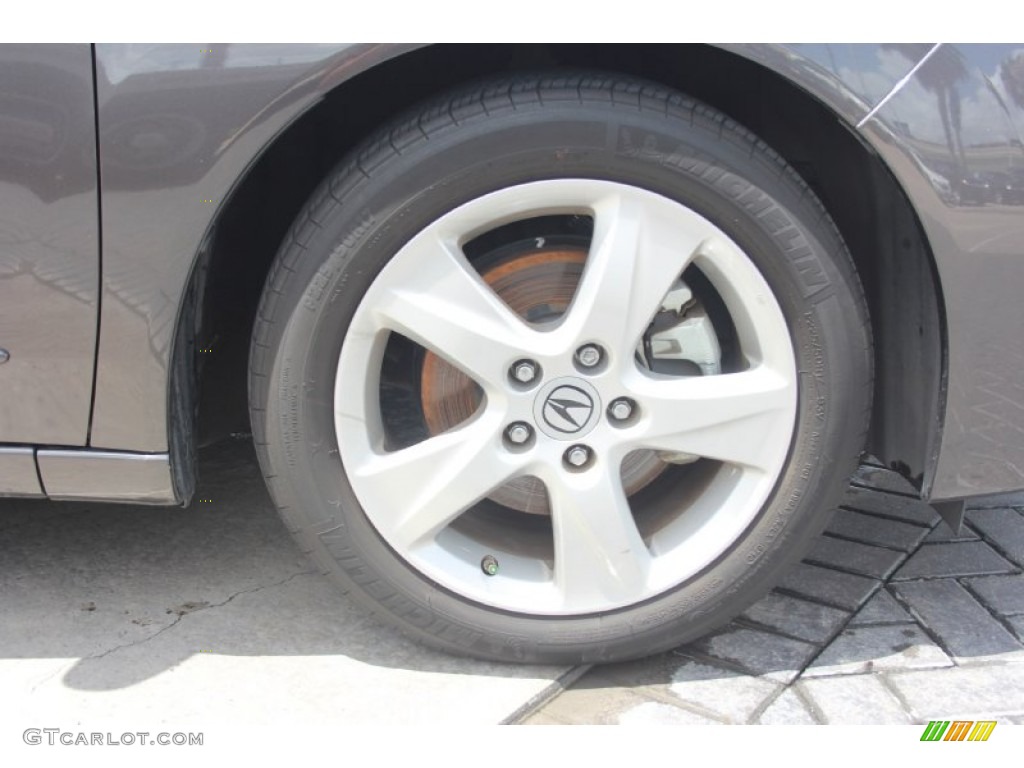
[
  {"x": 600, "y": 558},
  {"x": 417, "y": 491},
  {"x": 603, "y": 561},
  {"x": 433, "y": 296},
  {"x": 639, "y": 249},
  {"x": 739, "y": 418}
]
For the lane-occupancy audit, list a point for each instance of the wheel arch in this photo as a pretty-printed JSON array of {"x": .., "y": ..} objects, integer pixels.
[{"x": 870, "y": 208}]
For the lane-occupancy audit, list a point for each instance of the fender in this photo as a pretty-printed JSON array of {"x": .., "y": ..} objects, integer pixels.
[{"x": 179, "y": 127}]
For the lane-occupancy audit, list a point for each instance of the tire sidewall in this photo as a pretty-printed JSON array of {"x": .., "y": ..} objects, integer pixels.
[{"x": 386, "y": 197}]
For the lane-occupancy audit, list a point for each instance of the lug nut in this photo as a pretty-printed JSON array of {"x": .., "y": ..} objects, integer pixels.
[
  {"x": 588, "y": 355},
  {"x": 578, "y": 455},
  {"x": 518, "y": 433},
  {"x": 621, "y": 409},
  {"x": 524, "y": 371}
]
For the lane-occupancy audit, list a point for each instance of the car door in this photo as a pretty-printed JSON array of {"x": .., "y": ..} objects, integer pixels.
[{"x": 49, "y": 246}]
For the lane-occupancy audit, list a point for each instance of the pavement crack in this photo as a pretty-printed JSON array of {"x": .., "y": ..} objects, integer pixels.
[
  {"x": 260, "y": 588},
  {"x": 198, "y": 609}
]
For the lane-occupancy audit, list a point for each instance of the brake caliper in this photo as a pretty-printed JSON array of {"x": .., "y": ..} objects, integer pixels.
[{"x": 681, "y": 340}]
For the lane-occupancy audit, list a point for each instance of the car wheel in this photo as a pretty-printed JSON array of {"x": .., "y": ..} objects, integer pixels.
[{"x": 560, "y": 369}]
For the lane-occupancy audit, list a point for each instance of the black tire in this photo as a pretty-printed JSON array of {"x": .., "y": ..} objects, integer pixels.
[{"x": 515, "y": 131}]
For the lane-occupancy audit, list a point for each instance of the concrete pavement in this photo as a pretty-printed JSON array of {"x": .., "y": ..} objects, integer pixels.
[
  {"x": 195, "y": 618},
  {"x": 209, "y": 615}
]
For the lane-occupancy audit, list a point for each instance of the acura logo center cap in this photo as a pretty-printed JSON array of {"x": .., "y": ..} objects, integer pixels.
[{"x": 567, "y": 408}]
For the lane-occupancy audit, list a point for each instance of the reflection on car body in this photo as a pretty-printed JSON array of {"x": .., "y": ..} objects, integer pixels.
[{"x": 394, "y": 263}]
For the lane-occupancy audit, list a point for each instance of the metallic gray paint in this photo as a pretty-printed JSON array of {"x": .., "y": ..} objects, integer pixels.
[
  {"x": 135, "y": 477},
  {"x": 178, "y": 129},
  {"x": 179, "y": 126},
  {"x": 18, "y": 473},
  {"x": 49, "y": 250},
  {"x": 850, "y": 79},
  {"x": 963, "y": 114}
]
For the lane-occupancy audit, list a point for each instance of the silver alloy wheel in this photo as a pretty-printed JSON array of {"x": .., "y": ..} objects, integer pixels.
[{"x": 431, "y": 294}]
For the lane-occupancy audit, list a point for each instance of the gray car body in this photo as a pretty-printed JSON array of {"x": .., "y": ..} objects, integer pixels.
[{"x": 118, "y": 164}]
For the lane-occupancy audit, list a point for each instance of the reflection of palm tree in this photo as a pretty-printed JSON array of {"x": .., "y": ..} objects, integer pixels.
[
  {"x": 940, "y": 75},
  {"x": 1011, "y": 70}
]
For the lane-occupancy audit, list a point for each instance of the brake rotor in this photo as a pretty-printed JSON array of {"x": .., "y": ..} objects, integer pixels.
[{"x": 539, "y": 285}]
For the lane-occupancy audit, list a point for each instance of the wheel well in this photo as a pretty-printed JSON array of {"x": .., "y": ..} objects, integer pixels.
[{"x": 875, "y": 218}]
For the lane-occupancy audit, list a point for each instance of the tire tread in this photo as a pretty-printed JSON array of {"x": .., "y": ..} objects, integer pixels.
[{"x": 341, "y": 189}]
